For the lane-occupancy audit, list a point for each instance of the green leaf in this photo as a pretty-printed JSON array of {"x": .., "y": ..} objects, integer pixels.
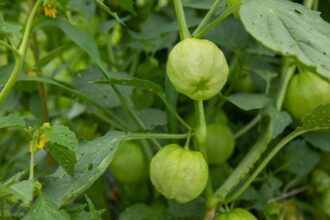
[
  {"x": 141, "y": 212},
  {"x": 22, "y": 191},
  {"x": 280, "y": 119},
  {"x": 86, "y": 7},
  {"x": 127, "y": 5},
  {"x": 44, "y": 209},
  {"x": 249, "y": 101},
  {"x": 290, "y": 29},
  {"x": 300, "y": 158},
  {"x": 190, "y": 210},
  {"x": 146, "y": 85},
  {"x": 81, "y": 38},
  {"x": 93, "y": 159},
  {"x": 102, "y": 94},
  {"x": 52, "y": 55},
  {"x": 318, "y": 120},
  {"x": 11, "y": 29},
  {"x": 319, "y": 140},
  {"x": 94, "y": 214},
  {"x": 63, "y": 146},
  {"x": 153, "y": 118},
  {"x": 109, "y": 11},
  {"x": 12, "y": 121}
]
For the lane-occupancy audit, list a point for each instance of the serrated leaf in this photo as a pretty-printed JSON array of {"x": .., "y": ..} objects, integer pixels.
[
  {"x": 249, "y": 101},
  {"x": 12, "y": 121},
  {"x": 62, "y": 135},
  {"x": 22, "y": 191},
  {"x": 318, "y": 120},
  {"x": 63, "y": 146},
  {"x": 43, "y": 209},
  {"x": 290, "y": 29},
  {"x": 93, "y": 159}
]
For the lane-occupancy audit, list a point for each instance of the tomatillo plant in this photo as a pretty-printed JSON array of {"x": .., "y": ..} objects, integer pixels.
[{"x": 181, "y": 110}]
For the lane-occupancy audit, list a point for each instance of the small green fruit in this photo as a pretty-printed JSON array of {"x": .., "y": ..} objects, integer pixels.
[
  {"x": 246, "y": 84},
  {"x": 237, "y": 214},
  {"x": 179, "y": 173},
  {"x": 306, "y": 91},
  {"x": 129, "y": 164},
  {"x": 197, "y": 68},
  {"x": 219, "y": 143}
]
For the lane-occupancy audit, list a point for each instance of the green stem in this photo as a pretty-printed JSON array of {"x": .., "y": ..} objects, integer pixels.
[
  {"x": 208, "y": 15},
  {"x": 264, "y": 163},
  {"x": 31, "y": 166},
  {"x": 184, "y": 31},
  {"x": 13, "y": 49},
  {"x": 134, "y": 136},
  {"x": 254, "y": 154},
  {"x": 308, "y": 3},
  {"x": 245, "y": 165},
  {"x": 248, "y": 126},
  {"x": 288, "y": 70},
  {"x": 225, "y": 14},
  {"x": 200, "y": 131},
  {"x": 22, "y": 49}
]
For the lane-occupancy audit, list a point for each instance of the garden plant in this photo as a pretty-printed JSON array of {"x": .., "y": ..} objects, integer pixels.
[{"x": 165, "y": 109}]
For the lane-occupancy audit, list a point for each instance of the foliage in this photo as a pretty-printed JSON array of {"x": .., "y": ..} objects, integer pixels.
[{"x": 78, "y": 79}]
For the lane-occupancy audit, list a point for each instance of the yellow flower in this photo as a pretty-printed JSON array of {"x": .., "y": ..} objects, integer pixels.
[
  {"x": 49, "y": 7},
  {"x": 43, "y": 140},
  {"x": 50, "y": 11}
]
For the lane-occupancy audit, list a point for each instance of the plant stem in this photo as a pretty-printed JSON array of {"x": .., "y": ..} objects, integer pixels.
[
  {"x": 207, "y": 17},
  {"x": 288, "y": 70},
  {"x": 225, "y": 14},
  {"x": 13, "y": 49},
  {"x": 22, "y": 49},
  {"x": 308, "y": 3},
  {"x": 200, "y": 131},
  {"x": 248, "y": 126},
  {"x": 134, "y": 136},
  {"x": 31, "y": 166},
  {"x": 184, "y": 31},
  {"x": 245, "y": 165},
  {"x": 264, "y": 163}
]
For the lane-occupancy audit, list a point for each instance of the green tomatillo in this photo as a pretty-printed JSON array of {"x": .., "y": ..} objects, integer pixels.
[
  {"x": 129, "y": 164},
  {"x": 306, "y": 91},
  {"x": 197, "y": 68},
  {"x": 236, "y": 214},
  {"x": 219, "y": 143},
  {"x": 179, "y": 173}
]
